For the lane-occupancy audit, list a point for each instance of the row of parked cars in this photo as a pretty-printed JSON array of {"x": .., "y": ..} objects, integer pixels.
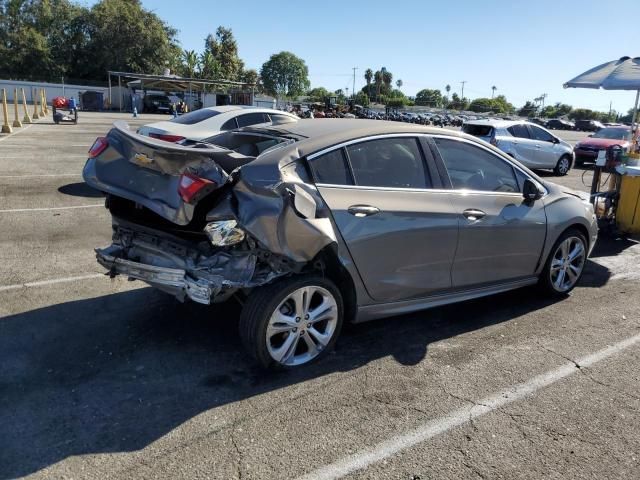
[
  {"x": 537, "y": 147},
  {"x": 578, "y": 125},
  {"x": 312, "y": 224}
]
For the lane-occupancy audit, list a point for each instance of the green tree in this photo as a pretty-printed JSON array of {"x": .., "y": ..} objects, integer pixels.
[
  {"x": 493, "y": 91},
  {"x": 123, "y": 36},
  {"x": 251, "y": 76},
  {"x": 190, "y": 62},
  {"x": 378, "y": 82},
  {"x": 209, "y": 67},
  {"x": 529, "y": 109},
  {"x": 224, "y": 48},
  {"x": 429, "y": 98},
  {"x": 285, "y": 75},
  {"x": 387, "y": 78},
  {"x": 483, "y": 105},
  {"x": 362, "y": 99},
  {"x": 368, "y": 76},
  {"x": 318, "y": 94},
  {"x": 399, "y": 84}
]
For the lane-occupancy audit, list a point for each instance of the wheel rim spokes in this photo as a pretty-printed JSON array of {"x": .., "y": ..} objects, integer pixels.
[
  {"x": 567, "y": 264},
  {"x": 302, "y": 325}
]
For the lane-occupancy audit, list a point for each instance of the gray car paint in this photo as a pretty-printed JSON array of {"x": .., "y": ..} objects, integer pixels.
[{"x": 264, "y": 193}]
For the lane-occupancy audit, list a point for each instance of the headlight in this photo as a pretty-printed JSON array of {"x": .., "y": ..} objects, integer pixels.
[{"x": 224, "y": 233}]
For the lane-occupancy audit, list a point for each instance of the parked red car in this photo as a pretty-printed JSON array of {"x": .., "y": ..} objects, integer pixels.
[{"x": 587, "y": 150}]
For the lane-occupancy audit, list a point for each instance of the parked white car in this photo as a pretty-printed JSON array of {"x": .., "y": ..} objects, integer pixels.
[
  {"x": 206, "y": 122},
  {"x": 527, "y": 142}
]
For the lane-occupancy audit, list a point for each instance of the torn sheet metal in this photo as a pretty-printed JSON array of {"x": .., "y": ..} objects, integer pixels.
[{"x": 281, "y": 212}]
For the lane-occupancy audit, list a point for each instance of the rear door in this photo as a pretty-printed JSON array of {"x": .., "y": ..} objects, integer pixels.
[
  {"x": 501, "y": 235},
  {"x": 524, "y": 147},
  {"x": 399, "y": 230}
]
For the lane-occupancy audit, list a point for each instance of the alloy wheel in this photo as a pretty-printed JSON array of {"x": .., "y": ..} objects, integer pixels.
[
  {"x": 302, "y": 325},
  {"x": 567, "y": 264},
  {"x": 563, "y": 166}
]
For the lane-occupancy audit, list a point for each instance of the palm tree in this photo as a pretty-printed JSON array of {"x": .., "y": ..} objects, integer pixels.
[
  {"x": 399, "y": 84},
  {"x": 377, "y": 77},
  {"x": 368, "y": 76},
  {"x": 448, "y": 89},
  {"x": 493, "y": 91},
  {"x": 191, "y": 62},
  {"x": 387, "y": 78}
]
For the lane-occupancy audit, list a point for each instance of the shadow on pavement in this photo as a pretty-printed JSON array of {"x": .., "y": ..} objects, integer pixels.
[
  {"x": 117, "y": 372},
  {"x": 80, "y": 189}
]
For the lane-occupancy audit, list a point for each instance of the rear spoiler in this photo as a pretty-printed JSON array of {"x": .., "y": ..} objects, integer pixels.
[{"x": 123, "y": 127}]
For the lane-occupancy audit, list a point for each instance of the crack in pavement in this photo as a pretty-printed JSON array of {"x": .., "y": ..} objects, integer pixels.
[{"x": 585, "y": 372}]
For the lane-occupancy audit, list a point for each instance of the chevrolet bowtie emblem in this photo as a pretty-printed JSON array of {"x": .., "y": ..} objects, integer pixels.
[{"x": 142, "y": 159}]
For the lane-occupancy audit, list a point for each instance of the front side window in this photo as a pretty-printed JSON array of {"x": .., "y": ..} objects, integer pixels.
[
  {"x": 473, "y": 168},
  {"x": 539, "y": 134},
  {"x": 389, "y": 162}
]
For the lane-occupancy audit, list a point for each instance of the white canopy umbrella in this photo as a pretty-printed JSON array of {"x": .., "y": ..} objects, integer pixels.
[{"x": 623, "y": 74}]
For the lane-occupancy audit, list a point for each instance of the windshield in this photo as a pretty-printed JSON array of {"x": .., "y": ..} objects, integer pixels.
[{"x": 613, "y": 134}]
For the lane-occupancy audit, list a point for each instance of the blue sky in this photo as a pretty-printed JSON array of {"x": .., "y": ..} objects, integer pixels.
[{"x": 525, "y": 48}]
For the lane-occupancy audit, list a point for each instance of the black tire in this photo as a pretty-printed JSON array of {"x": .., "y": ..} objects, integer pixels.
[
  {"x": 563, "y": 166},
  {"x": 544, "y": 281},
  {"x": 262, "y": 303}
]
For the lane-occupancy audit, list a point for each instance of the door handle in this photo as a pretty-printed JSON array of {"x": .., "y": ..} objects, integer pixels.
[
  {"x": 473, "y": 214},
  {"x": 537, "y": 145},
  {"x": 362, "y": 210}
]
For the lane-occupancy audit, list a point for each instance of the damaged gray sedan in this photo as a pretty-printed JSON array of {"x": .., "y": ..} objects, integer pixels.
[{"x": 322, "y": 222}]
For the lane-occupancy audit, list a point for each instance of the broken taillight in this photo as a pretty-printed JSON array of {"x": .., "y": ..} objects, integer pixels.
[
  {"x": 167, "y": 137},
  {"x": 99, "y": 146},
  {"x": 191, "y": 185}
]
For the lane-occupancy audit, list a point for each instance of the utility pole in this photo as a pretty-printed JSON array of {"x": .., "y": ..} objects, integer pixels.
[
  {"x": 462, "y": 95},
  {"x": 353, "y": 91}
]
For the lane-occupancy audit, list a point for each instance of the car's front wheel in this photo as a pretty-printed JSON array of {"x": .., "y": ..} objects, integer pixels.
[
  {"x": 565, "y": 264},
  {"x": 563, "y": 166},
  {"x": 292, "y": 322}
]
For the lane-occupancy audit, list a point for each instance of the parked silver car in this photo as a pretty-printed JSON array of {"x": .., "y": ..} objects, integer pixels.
[
  {"x": 333, "y": 221},
  {"x": 527, "y": 142}
]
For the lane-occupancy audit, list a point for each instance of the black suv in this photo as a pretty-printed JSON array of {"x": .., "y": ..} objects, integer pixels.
[
  {"x": 588, "y": 125},
  {"x": 155, "y": 103}
]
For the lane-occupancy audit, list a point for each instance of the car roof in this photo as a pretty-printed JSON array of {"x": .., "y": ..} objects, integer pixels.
[
  {"x": 496, "y": 123},
  {"x": 232, "y": 108},
  {"x": 314, "y": 135}
]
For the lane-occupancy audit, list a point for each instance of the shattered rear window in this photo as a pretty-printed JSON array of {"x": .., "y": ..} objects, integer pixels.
[{"x": 251, "y": 145}]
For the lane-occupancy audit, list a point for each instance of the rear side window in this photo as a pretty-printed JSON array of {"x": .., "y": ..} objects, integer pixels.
[
  {"x": 230, "y": 124},
  {"x": 331, "y": 168},
  {"x": 473, "y": 168},
  {"x": 478, "y": 130},
  {"x": 278, "y": 119},
  {"x": 252, "y": 119},
  {"x": 195, "y": 116},
  {"x": 519, "y": 130},
  {"x": 389, "y": 162}
]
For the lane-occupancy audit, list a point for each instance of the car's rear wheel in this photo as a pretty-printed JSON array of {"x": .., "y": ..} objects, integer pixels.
[
  {"x": 292, "y": 322},
  {"x": 565, "y": 264},
  {"x": 563, "y": 166}
]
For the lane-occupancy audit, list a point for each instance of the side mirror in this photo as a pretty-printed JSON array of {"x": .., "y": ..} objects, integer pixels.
[
  {"x": 555, "y": 140},
  {"x": 530, "y": 190}
]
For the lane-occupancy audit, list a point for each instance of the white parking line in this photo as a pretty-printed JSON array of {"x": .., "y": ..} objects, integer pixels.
[
  {"x": 461, "y": 416},
  {"x": 52, "y": 281},
  {"x": 30, "y": 175},
  {"x": 14, "y": 210},
  {"x": 17, "y": 132}
]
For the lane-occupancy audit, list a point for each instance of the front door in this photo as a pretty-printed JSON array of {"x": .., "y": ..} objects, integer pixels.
[
  {"x": 401, "y": 234},
  {"x": 501, "y": 235}
]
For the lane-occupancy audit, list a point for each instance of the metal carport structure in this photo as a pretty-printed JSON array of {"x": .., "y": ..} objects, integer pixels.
[{"x": 172, "y": 83}]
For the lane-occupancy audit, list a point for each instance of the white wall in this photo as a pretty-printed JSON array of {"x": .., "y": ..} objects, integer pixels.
[{"x": 52, "y": 89}]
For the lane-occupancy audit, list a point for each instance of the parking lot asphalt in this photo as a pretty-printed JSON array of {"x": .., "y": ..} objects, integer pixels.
[{"x": 103, "y": 378}]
